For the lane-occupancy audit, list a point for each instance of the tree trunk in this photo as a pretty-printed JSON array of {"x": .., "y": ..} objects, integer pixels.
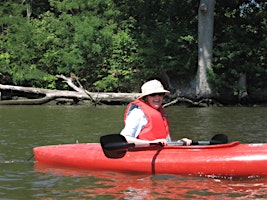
[
  {"x": 242, "y": 88},
  {"x": 63, "y": 95},
  {"x": 205, "y": 37}
]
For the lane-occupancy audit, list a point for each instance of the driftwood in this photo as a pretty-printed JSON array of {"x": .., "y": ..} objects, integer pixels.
[{"x": 79, "y": 94}]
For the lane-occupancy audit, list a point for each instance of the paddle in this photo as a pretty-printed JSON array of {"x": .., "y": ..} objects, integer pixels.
[{"x": 116, "y": 146}]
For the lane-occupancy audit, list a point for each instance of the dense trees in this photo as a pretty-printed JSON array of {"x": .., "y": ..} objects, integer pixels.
[
  {"x": 115, "y": 45},
  {"x": 240, "y": 47}
]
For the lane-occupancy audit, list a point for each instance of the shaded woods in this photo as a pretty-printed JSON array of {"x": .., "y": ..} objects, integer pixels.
[{"x": 114, "y": 46}]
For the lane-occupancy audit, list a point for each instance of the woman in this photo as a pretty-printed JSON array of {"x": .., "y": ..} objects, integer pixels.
[{"x": 145, "y": 119}]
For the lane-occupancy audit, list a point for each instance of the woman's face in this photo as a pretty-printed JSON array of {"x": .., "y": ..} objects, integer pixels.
[{"x": 155, "y": 100}]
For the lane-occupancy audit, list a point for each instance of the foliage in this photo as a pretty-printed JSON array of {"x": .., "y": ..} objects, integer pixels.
[
  {"x": 116, "y": 45},
  {"x": 165, "y": 33},
  {"x": 240, "y": 45}
]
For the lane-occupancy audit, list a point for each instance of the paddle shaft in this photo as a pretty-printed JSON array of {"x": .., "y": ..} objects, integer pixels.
[
  {"x": 193, "y": 143},
  {"x": 125, "y": 145}
]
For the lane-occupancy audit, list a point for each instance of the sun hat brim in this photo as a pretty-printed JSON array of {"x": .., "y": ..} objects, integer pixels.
[
  {"x": 166, "y": 92},
  {"x": 152, "y": 87}
]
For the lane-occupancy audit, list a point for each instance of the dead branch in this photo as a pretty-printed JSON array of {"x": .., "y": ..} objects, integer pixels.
[
  {"x": 188, "y": 101},
  {"x": 69, "y": 81}
]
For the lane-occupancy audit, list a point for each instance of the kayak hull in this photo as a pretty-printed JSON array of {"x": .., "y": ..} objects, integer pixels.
[{"x": 224, "y": 160}]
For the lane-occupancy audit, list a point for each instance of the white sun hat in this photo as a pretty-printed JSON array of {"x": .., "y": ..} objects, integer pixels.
[{"x": 151, "y": 87}]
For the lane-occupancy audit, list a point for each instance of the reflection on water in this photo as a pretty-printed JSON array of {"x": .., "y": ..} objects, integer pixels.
[
  {"x": 25, "y": 127},
  {"x": 106, "y": 185}
]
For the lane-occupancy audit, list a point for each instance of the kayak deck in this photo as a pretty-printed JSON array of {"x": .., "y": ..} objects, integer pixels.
[{"x": 224, "y": 160}]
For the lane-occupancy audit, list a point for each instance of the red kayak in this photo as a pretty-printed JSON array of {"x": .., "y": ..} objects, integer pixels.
[{"x": 218, "y": 160}]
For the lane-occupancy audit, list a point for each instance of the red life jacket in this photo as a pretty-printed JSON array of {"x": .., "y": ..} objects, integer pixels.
[{"x": 157, "y": 126}]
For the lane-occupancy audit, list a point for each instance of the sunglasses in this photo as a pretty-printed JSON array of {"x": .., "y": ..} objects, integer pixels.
[{"x": 157, "y": 94}]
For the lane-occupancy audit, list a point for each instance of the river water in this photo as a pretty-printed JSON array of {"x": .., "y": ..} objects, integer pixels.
[{"x": 25, "y": 127}]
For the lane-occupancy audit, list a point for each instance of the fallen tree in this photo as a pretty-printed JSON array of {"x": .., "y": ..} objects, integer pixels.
[
  {"x": 19, "y": 95},
  {"x": 61, "y": 96}
]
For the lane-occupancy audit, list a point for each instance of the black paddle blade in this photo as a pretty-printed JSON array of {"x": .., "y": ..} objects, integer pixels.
[
  {"x": 107, "y": 143},
  {"x": 219, "y": 139}
]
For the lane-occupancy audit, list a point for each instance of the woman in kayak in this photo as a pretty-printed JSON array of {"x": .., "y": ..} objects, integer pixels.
[{"x": 145, "y": 119}]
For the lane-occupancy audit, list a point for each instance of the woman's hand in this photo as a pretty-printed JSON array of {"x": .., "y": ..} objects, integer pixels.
[{"x": 186, "y": 141}]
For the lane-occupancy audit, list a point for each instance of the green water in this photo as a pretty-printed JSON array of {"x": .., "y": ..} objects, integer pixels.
[{"x": 25, "y": 127}]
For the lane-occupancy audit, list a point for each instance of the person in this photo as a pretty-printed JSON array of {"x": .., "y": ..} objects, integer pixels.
[{"x": 145, "y": 119}]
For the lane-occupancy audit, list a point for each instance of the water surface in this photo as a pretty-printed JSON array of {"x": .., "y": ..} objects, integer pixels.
[{"x": 25, "y": 127}]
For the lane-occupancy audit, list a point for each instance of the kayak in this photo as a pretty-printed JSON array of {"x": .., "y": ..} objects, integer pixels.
[{"x": 221, "y": 160}]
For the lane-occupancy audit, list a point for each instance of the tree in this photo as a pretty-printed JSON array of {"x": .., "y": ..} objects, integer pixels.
[{"x": 205, "y": 41}]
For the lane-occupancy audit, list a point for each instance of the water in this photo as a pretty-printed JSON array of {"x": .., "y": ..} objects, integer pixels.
[{"x": 25, "y": 127}]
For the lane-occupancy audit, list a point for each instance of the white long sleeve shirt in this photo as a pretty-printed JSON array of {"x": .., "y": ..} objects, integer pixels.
[{"x": 135, "y": 122}]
